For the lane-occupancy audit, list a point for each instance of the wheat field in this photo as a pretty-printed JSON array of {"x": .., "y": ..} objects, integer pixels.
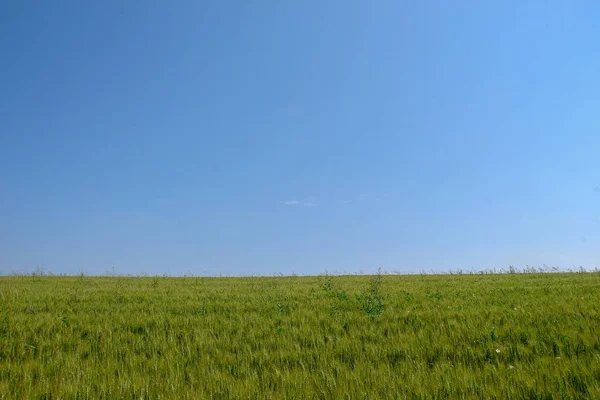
[{"x": 534, "y": 336}]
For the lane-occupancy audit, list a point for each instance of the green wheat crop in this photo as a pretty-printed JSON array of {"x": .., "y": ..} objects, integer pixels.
[{"x": 534, "y": 336}]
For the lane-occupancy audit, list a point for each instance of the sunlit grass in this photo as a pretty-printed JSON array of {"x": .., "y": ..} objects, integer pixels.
[{"x": 451, "y": 336}]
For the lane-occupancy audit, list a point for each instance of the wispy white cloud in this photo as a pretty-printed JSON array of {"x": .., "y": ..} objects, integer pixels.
[{"x": 310, "y": 202}]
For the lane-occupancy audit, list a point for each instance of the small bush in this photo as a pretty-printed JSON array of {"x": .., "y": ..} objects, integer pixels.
[{"x": 371, "y": 298}]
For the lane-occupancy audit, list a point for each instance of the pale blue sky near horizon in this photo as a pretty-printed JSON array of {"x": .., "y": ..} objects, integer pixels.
[{"x": 265, "y": 137}]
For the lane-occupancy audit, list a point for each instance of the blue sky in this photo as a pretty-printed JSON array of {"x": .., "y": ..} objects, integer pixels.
[{"x": 266, "y": 137}]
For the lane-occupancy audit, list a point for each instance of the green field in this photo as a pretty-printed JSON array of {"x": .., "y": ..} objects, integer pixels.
[{"x": 332, "y": 337}]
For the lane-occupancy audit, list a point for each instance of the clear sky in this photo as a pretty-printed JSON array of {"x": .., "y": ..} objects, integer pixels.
[{"x": 262, "y": 137}]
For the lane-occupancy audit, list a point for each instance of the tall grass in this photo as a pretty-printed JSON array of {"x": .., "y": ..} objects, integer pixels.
[{"x": 357, "y": 337}]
